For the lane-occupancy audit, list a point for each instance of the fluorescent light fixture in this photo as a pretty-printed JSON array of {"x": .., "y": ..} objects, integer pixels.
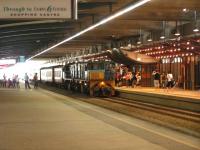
[{"x": 117, "y": 14}]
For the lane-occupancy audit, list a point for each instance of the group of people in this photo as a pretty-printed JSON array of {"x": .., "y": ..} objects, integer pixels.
[
  {"x": 131, "y": 79},
  {"x": 35, "y": 81},
  {"x": 163, "y": 80},
  {"x": 14, "y": 82},
  {"x": 10, "y": 82}
]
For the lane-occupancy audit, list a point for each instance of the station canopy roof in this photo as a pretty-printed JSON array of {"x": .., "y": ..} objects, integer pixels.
[{"x": 28, "y": 37}]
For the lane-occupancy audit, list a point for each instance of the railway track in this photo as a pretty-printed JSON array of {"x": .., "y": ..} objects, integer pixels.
[
  {"x": 187, "y": 115},
  {"x": 173, "y": 112},
  {"x": 181, "y": 120},
  {"x": 184, "y": 121}
]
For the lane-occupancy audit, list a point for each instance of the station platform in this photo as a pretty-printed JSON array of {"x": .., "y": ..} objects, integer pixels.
[
  {"x": 43, "y": 120},
  {"x": 177, "y": 98}
]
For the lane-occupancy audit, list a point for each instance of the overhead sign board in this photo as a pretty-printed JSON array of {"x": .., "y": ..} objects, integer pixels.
[
  {"x": 35, "y": 9},
  {"x": 4, "y": 63}
]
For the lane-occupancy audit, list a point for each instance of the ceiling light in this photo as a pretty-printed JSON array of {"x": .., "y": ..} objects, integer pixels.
[
  {"x": 139, "y": 42},
  {"x": 109, "y": 18},
  {"x": 150, "y": 40},
  {"x": 185, "y": 10},
  {"x": 177, "y": 33},
  {"x": 196, "y": 30},
  {"x": 162, "y": 37},
  {"x": 150, "y": 37},
  {"x": 163, "y": 30},
  {"x": 129, "y": 45}
]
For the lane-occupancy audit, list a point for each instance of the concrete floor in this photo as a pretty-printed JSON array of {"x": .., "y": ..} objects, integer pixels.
[{"x": 42, "y": 120}]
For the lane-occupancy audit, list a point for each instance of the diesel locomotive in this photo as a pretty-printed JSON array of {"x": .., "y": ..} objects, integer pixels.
[{"x": 93, "y": 76}]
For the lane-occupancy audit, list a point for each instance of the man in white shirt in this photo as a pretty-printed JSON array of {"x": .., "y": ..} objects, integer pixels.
[
  {"x": 169, "y": 80},
  {"x": 26, "y": 79}
]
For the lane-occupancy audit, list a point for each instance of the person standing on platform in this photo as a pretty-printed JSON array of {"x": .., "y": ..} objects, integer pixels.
[
  {"x": 134, "y": 79},
  {"x": 35, "y": 79},
  {"x": 26, "y": 79},
  {"x": 4, "y": 81},
  {"x": 14, "y": 81},
  {"x": 117, "y": 79},
  {"x": 17, "y": 81},
  {"x": 156, "y": 76},
  {"x": 10, "y": 83},
  {"x": 128, "y": 79},
  {"x": 169, "y": 80},
  {"x": 163, "y": 80},
  {"x": 138, "y": 76}
]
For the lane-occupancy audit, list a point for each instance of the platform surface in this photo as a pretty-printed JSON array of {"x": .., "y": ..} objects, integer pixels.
[
  {"x": 171, "y": 92},
  {"x": 43, "y": 120}
]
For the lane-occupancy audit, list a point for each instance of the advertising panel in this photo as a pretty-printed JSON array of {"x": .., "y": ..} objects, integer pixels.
[{"x": 35, "y": 9}]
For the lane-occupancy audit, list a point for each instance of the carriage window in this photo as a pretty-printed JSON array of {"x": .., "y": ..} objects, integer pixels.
[
  {"x": 57, "y": 73},
  {"x": 49, "y": 74}
]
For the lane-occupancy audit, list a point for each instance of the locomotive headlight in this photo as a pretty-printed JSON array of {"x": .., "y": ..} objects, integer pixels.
[{"x": 102, "y": 83}]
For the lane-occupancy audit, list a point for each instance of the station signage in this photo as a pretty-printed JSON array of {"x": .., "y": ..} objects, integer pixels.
[
  {"x": 36, "y": 9},
  {"x": 4, "y": 63}
]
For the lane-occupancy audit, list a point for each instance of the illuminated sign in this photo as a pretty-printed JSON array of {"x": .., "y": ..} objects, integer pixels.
[
  {"x": 4, "y": 63},
  {"x": 21, "y": 59},
  {"x": 36, "y": 9},
  {"x": 7, "y": 61}
]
